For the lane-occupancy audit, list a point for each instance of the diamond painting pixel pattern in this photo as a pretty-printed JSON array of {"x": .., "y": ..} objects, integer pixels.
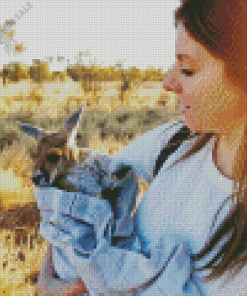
[
  {"x": 54, "y": 238},
  {"x": 81, "y": 227},
  {"x": 82, "y": 206},
  {"x": 141, "y": 249},
  {"x": 14, "y": 218},
  {"x": 135, "y": 243},
  {"x": 90, "y": 185}
]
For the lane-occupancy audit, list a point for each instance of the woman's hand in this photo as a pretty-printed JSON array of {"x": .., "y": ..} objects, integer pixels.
[
  {"x": 49, "y": 285},
  {"x": 77, "y": 288}
]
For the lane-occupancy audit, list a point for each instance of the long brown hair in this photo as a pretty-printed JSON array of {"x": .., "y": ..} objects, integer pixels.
[{"x": 221, "y": 26}]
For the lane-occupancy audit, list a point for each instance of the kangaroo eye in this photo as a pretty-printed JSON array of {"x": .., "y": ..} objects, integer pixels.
[
  {"x": 53, "y": 158},
  {"x": 45, "y": 140}
]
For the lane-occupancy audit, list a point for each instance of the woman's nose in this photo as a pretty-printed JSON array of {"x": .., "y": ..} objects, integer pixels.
[
  {"x": 168, "y": 87},
  {"x": 170, "y": 84}
]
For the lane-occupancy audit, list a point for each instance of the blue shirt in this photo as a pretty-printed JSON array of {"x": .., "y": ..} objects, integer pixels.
[{"x": 152, "y": 253}]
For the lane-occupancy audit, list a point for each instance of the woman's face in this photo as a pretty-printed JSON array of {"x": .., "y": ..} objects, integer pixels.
[{"x": 198, "y": 81}]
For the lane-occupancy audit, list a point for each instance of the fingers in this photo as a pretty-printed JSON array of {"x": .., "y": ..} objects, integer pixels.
[
  {"x": 79, "y": 288},
  {"x": 57, "y": 288},
  {"x": 48, "y": 285},
  {"x": 49, "y": 260},
  {"x": 43, "y": 277},
  {"x": 47, "y": 268}
]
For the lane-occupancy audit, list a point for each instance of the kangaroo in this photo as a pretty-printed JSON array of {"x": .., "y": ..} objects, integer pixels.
[
  {"x": 57, "y": 152},
  {"x": 60, "y": 163}
]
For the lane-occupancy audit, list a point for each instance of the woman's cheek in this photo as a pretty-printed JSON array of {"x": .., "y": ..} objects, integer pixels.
[{"x": 201, "y": 118}]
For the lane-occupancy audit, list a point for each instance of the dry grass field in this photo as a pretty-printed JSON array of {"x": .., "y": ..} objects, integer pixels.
[{"x": 107, "y": 126}]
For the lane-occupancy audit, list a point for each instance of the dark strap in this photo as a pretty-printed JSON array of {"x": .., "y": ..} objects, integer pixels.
[{"x": 171, "y": 147}]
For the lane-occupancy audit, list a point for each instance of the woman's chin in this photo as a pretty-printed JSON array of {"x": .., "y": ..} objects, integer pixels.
[{"x": 193, "y": 128}]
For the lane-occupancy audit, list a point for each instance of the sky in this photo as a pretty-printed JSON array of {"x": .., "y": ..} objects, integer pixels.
[{"x": 137, "y": 33}]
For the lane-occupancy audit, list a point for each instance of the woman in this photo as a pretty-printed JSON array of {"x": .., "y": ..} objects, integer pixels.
[{"x": 202, "y": 185}]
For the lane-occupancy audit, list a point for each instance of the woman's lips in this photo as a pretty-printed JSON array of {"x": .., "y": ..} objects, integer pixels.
[{"x": 179, "y": 102}]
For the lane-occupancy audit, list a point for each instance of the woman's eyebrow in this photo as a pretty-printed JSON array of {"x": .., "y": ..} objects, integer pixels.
[{"x": 194, "y": 61}]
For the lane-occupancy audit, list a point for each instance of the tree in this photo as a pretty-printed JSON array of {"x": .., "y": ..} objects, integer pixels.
[
  {"x": 39, "y": 71},
  {"x": 10, "y": 45}
]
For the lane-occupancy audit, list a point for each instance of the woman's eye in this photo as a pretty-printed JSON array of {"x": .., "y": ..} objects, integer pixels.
[{"x": 187, "y": 72}]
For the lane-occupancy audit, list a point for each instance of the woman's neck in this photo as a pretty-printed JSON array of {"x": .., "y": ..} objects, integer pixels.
[{"x": 226, "y": 148}]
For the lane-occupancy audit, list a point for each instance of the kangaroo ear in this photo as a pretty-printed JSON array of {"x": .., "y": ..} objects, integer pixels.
[
  {"x": 72, "y": 122},
  {"x": 70, "y": 128},
  {"x": 32, "y": 131}
]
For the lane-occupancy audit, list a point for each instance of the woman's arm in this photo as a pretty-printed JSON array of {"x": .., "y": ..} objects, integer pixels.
[{"x": 48, "y": 284}]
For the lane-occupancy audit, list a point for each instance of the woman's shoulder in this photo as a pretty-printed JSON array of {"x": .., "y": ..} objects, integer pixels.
[{"x": 165, "y": 129}]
